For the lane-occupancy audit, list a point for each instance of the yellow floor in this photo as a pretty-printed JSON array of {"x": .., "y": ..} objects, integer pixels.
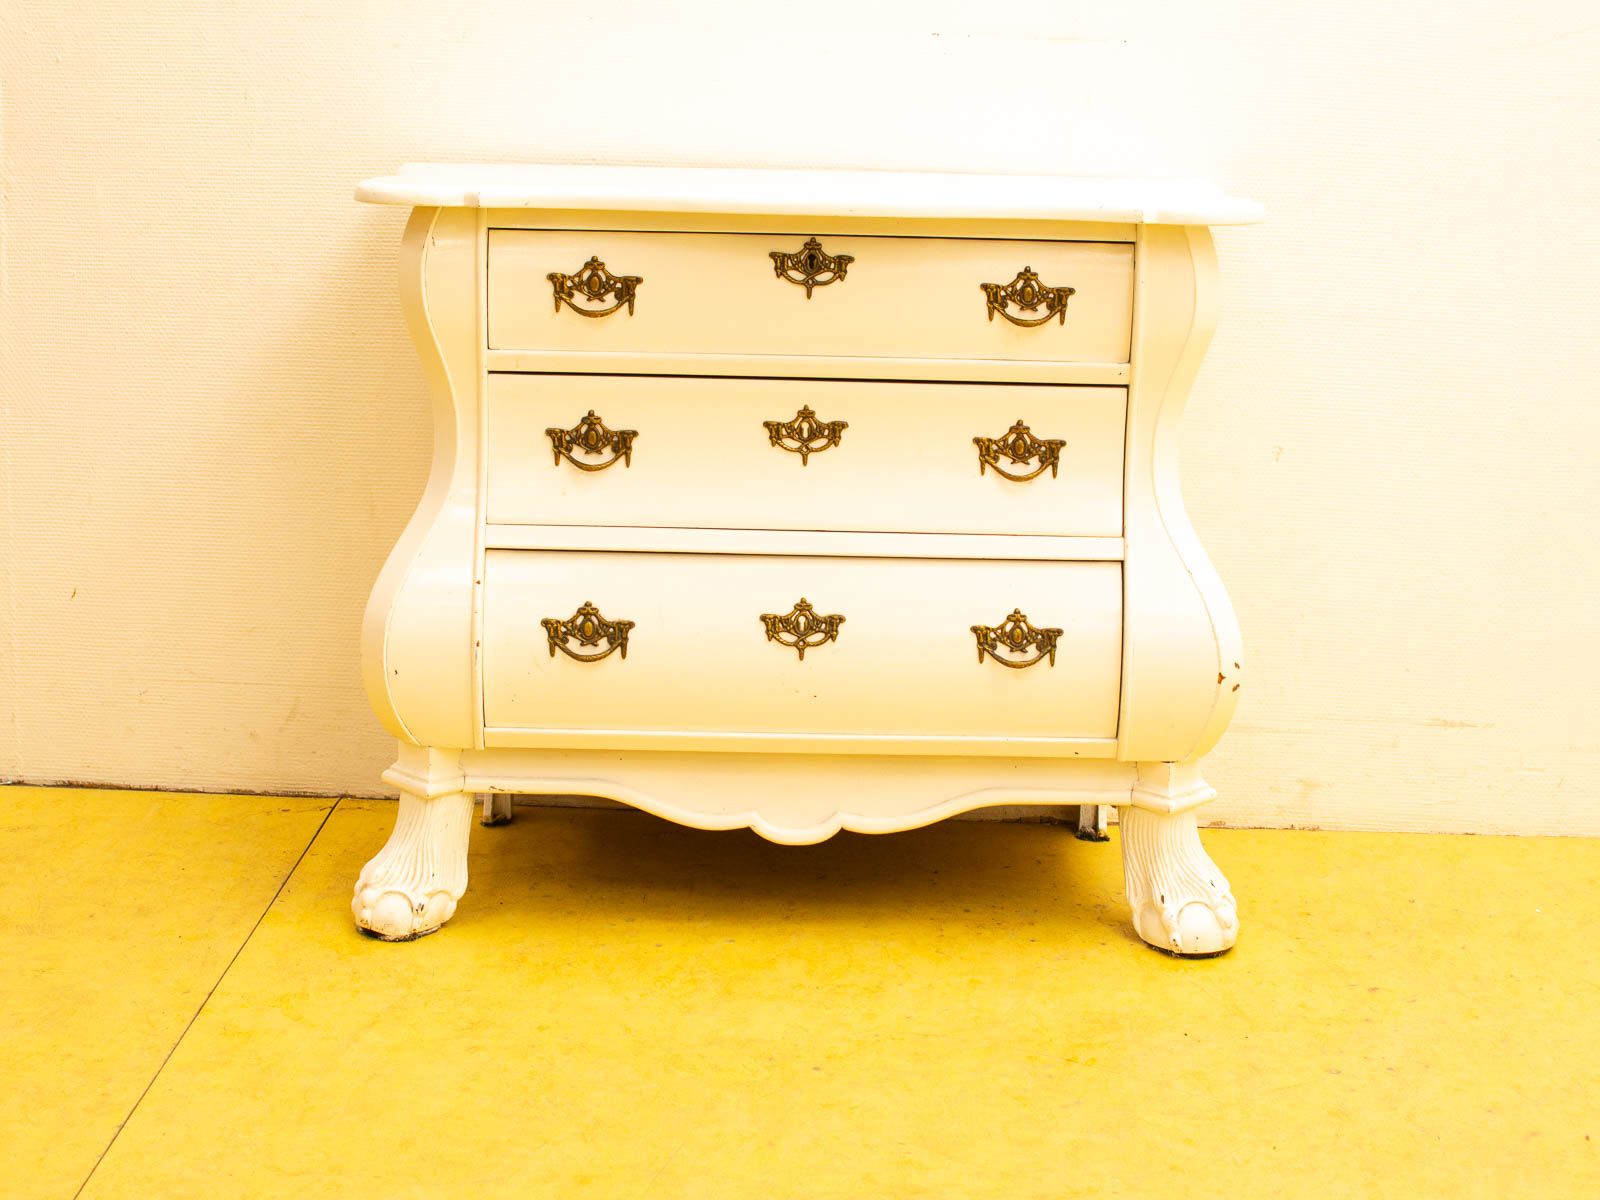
[{"x": 625, "y": 1008}]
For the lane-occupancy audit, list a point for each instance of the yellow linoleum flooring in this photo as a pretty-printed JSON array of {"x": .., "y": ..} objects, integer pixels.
[{"x": 626, "y": 1008}]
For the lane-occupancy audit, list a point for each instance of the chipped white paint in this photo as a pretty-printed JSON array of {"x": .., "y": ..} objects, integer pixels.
[
  {"x": 1180, "y": 901},
  {"x": 412, "y": 886}
]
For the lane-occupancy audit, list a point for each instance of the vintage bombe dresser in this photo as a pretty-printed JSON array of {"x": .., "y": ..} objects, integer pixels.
[{"x": 804, "y": 501}]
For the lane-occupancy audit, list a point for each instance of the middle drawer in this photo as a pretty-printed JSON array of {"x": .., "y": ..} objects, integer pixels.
[{"x": 805, "y": 454}]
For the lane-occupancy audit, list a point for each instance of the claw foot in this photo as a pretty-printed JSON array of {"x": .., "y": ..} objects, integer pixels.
[
  {"x": 392, "y": 915},
  {"x": 411, "y": 887},
  {"x": 1181, "y": 902}
]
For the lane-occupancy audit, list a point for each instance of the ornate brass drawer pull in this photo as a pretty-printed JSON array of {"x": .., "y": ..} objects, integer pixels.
[
  {"x": 1020, "y": 447},
  {"x": 596, "y": 285},
  {"x": 590, "y": 436},
  {"x": 809, "y": 435},
  {"x": 589, "y": 628},
  {"x": 808, "y": 265},
  {"x": 1027, "y": 293},
  {"x": 802, "y": 627},
  {"x": 1016, "y": 636}
]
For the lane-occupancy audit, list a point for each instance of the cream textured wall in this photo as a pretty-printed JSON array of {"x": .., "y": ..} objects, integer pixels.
[{"x": 214, "y": 427}]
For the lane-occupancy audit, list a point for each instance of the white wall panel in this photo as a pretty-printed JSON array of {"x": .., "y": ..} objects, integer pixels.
[{"x": 213, "y": 426}]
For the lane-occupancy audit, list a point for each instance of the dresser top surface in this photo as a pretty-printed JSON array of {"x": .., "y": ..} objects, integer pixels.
[{"x": 810, "y": 193}]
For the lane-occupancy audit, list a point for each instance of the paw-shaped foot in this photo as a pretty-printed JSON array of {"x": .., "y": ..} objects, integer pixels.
[
  {"x": 386, "y": 911},
  {"x": 1193, "y": 927},
  {"x": 412, "y": 886},
  {"x": 1181, "y": 903}
]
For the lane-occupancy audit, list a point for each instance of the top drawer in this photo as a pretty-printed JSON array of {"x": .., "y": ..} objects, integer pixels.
[{"x": 895, "y": 297}]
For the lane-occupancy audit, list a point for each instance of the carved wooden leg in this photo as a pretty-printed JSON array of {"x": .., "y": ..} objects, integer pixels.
[
  {"x": 1181, "y": 902},
  {"x": 412, "y": 886}
]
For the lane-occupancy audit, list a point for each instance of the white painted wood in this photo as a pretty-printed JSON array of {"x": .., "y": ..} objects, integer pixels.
[
  {"x": 800, "y": 366},
  {"x": 742, "y": 741},
  {"x": 698, "y": 658},
  {"x": 1182, "y": 653},
  {"x": 805, "y": 542},
  {"x": 1181, "y": 903},
  {"x": 719, "y": 293},
  {"x": 706, "y": 720},
  {"x": 808, "y": 225},
  {"x": 1171, "y": 787},
  {"x": 795, "y": 798},
  {"x": 418, "y": 680},
  {"x": 905, "y": 462},
  {"x": 411, "y": 886},
  {"x": 834, "y": 193}
]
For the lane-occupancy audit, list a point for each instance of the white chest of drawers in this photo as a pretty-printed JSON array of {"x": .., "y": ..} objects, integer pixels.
[{"x": 804, "y": 501}]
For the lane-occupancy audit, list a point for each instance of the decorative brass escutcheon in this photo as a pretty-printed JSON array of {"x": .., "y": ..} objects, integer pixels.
[
  {"x": 808, "y": 265},
  {"x": 1016, "y": 636},
  {"x": 809, "y": 435},
  {"x": 801, "y": 627},
  {"x": 589, "y": 628},
  {"x": 1027, "y": 293},
  {"x": 590, "y": 436},
  {"x": 1020, "y": 447},
  {"x": 595, "y": 284}
]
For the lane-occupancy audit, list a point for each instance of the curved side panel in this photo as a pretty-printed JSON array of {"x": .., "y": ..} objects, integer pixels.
[
  {"x": 416, "y": 644},
  {"x": 1181, "y": 648}
]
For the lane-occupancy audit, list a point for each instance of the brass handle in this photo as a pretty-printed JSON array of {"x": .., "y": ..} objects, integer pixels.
[
  {"x": 1027, "y": 293},
  {"x": 802, "y": 627},
  {"x": 809, "y": 435},
  {"x": 1020, "y": 447},
  {"x": 595, "y": 284},
  {"x": 1016, "y": 636},
  {"x": 590, "y": 629},
  {"x": 590, "y": 436},
  {"x": 808, "y": 265}
]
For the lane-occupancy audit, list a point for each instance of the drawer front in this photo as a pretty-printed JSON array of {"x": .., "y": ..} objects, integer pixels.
[
  {"x": 722, "y": 294},
  {"x": 715, "y": 453},
  {"x": 698, "y": 655}
]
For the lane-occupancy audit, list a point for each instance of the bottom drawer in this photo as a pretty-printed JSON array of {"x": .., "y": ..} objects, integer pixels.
[{"x": 719, "y": 643}]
